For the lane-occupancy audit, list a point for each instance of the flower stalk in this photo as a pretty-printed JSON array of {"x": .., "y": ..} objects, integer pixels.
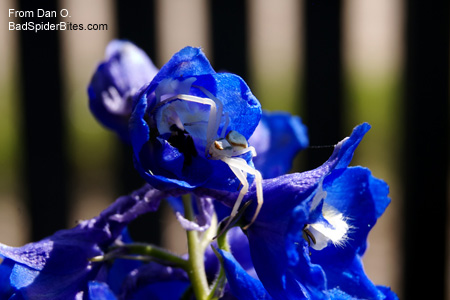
[
  {"x": 196, "y": 266},
  {"x": 156, "y": 252}
]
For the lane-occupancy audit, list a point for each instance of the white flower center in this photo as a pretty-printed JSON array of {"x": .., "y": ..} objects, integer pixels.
[{"x": 334, "y": 230}]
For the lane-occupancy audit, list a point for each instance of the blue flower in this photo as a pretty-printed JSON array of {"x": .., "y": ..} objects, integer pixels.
[
  {"x": 204, "y": 208},
  {"x": 331, "y": 209},
  {"x": 100, "y": 291},
  {"x": 238, "y": 243},
  {"x": 242, "y": 285},
  {"x": 277, "y": 139},
  {"x": 154, "y": 281},
  {"x": 60, "y": 266},
  {"x": 187, "y": 120},
  {"x": 125, "y": 70}
]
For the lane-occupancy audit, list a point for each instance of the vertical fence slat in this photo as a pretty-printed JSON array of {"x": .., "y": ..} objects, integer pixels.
[
  {"x": 322, "y": 76},
  {"x": 229, "y": 36},
  {"x": 136, "y": 23},
  {"x": 45, "y": 172},
  {"x": 426, "y": 148}
]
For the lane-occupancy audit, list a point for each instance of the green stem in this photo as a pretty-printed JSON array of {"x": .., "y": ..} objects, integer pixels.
[
  {"x": 223, "y": 243},
  {"x": 141, "y": 251},
  {"x": 220, "y": 280},
  {"x": 158, "y": 253},
  {"x": 196, "y": 264},
  {"x": 209, "y": 234},
  {"x": 218, "y": 285}
]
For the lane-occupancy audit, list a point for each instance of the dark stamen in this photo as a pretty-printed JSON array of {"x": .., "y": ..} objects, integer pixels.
[
  {"x": 181, "y": 140},
  {"x": 308, "y": 236}
]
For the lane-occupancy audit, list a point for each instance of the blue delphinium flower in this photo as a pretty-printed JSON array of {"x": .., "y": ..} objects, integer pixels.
[
  {"x": 309, "y": 237},
  {"x": 155, "y": 281},
  {"x": 242, "y": 285},
  {"x": 60, "y": 266},
  {"x": 277, "y": 139},
  {"x": 205, "y": 210},
  {"x": 125, "y": 70},
  {"x": 352, "y": 201},
  {"x": 188, "y": 120}
]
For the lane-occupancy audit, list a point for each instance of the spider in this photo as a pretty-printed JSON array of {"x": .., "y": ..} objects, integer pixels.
[{"x": 227, "y": 147}]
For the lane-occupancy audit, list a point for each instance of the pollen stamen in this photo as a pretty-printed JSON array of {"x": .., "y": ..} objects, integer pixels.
[{"x": 308, "y": 236}]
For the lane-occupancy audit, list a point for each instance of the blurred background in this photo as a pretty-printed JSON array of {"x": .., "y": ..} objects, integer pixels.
[{"x": 336, "y": 63}]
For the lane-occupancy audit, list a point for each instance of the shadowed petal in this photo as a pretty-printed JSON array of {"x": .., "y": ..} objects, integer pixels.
[
  {"x": 277, "y": 139},
  {"x": 65, "y": 256},
  {"x": 242, "y": 285},
  {"x": 125, "y": 70}
]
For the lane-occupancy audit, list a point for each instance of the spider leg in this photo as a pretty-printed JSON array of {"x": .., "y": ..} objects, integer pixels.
[
  {"x": 225, "y": 126},
  {"x": 212, "y": 128},
  {"x": 245, "y": 150},
  {"x": 218, "y": 103},
  {"x": 242, "y": 166},
  {"x": 242, "y": 178},
  {"x": 259, "y": 197}
]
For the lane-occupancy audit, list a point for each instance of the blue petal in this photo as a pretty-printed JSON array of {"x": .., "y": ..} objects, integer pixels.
[
  {"x": 239, "y": 247},
  {"x": 389, "y": 294},
  {"x": 277, "y": 139},
  {"x": 350, "y": 144},
  {"x": 281, "y": 280},
  {"x": 295, "y": 188},
  {"x": 149, "y": 155},
  {"x": 125, "y": 70},
  {"x": 154, "y": 281},
  {"x": 337, "y": 294},
  {"x": 119, "y": 271},
  {"x": 187, "y": 62},
  {"x": 204, "y": 211},
  {"x": 100, "y": 291},
  {"x": 238, "y": 101},
  {"x": 242, "y": 285},
  {"x": 162, "y": 164},
  {"x": 361, "y": 198},
  {"x": 6, "y": 290},
  {"x": 65, "y": 256},
  {"x": 287, "y": 200}
]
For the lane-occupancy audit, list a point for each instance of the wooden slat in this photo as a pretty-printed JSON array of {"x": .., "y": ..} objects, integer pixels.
[
  {"x": 45, "y": 173},
  {"x": 136, "y": 23},
  {"x": 426, "y": 148},
  {"x": 322, "y": 76},
  {"x": 229, "y": 36}
]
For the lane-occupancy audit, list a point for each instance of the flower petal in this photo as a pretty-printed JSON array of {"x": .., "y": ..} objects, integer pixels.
[
  {"x": 205, "y": 211},
  {"x": 65, "y": 256},
  {"x": 168, "y": 158},
  {"x": 154, "y": 281},
  {"x": 125, "y": 70},
  {"x": 185, "y": 63},
  {"x": 277, "y": 139},
  {"x": 361, "y": 198},
  {"x": 100, "y": 291},
  {"x": 287, "y": 204},
  {"x": 242, "y": 285}
]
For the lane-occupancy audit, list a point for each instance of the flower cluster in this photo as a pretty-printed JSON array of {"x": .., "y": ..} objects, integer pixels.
[{"x": 202, "y": 143}]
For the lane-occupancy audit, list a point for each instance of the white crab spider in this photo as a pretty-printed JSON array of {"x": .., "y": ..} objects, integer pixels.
[{"x": 225, "y": 148}]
